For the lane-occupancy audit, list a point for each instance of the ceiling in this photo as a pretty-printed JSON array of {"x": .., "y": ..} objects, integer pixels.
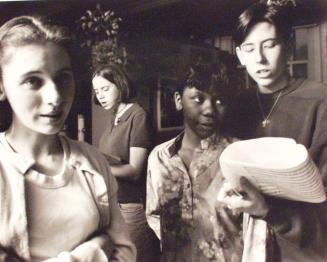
[{"x": 170, "y": 18}]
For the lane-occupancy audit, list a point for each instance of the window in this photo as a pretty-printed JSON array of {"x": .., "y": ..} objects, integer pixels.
[
  {"x": 305, "y": 60},
  {"x": 168, "y": 118}
]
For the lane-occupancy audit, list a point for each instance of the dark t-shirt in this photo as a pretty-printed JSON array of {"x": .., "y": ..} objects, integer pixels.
[
  {"x": 300, "y": 113},
  {"x": 131, "y": 131}
]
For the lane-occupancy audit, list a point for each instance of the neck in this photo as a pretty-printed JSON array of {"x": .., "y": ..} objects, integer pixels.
[
  {"x": 33, "y": 145},
  {"x": 120, "y": 108},
  {"x": 280, "y": 84},
  {"x": 190, "y": 139}
]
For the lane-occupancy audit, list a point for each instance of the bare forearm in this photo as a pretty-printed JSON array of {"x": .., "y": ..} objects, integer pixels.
[{"x": 125, "y": 171}]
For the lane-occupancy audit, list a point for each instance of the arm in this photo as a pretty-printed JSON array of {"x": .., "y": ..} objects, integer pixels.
[
  {"x": 297, "y": 226},
  {"x": 120, "y": 246},
  {"x": 124, "y": 249},
  {"x": 110, "y": 242},
  {"x": 113, "y": 238},
  {"x": 112, "y": 245},
  {"x": 133, "y": 170},
  {"x": 318, "y": 144},
  {"x": 152, "y": 198},
  {"x": 138, "y": 144}
]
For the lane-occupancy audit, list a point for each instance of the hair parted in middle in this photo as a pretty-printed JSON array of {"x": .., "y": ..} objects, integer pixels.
[{"x": 26, "y": 30}]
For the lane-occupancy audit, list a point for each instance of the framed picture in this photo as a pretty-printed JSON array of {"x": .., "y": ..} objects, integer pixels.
[{"x": 168, "y": 118}]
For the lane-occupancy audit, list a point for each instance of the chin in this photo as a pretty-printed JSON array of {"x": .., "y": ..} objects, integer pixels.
[
  {"x": 267, "y": 83},
  {"x": 205, "y": 134},
  {"x": 50, "y": 130}
]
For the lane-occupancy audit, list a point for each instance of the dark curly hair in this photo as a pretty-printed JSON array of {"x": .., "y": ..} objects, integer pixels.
[{"x": 213, "y": 77}]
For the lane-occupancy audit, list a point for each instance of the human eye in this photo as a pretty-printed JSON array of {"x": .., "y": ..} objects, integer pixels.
[
  {"x": 270, "y": 43},
  {"x": 248, "y": 48},
  {"x": 198, "y": 99},
  {"x": 218, "y": 102},
  {"x": 32, "y": 82},
  {"x": 105, "y": 88}
]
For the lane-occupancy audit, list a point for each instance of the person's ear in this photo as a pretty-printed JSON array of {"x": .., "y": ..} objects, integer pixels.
[
  {"x": 178, "y": 101},
  {"x": 2, "y": 93},
  {"x": 240, "y": 55}
]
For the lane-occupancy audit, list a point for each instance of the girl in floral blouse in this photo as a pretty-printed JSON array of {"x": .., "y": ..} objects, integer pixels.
[{"x": 184, "y": 175}]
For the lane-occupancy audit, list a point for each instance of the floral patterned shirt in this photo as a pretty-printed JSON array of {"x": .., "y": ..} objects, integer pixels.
[{"x": 182, "y": 208}]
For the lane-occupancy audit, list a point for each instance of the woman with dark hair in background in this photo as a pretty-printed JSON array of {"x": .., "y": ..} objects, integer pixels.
[{"x": 126, "y": 142}]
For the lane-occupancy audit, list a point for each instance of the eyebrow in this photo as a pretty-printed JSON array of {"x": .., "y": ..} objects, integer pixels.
[
  {"x": 268, "y": 39},
  {"x": 68, "y": 68},
  {"x": 200, "y": 92},
  {"x": 102, "y": 87}
]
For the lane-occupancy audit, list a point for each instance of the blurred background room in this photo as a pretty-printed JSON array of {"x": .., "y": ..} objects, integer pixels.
[{"x": 156, "y": 39}]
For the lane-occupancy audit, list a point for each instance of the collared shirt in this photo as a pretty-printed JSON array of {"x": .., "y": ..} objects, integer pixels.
[
  {"x": 87, "y": 162},
  {"x": 117, "y": 139},
  {"x": 182, "y": 208}
]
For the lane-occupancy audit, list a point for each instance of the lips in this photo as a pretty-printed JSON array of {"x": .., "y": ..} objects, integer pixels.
[
  {"x": 263, "y": 73},
  {"x": 106, "y": 105},
  {"x": 207, "y": 125},
  {"x": 52, "y": 116}
]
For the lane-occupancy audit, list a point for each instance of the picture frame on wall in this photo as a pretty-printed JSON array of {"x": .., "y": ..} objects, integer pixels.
[{"x": 168, "y": 118}]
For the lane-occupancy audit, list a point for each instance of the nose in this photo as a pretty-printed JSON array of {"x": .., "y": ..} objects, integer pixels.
[
  {"x": 259, "y": 55},
  {"x": 52, "y": 94},
  {"x": 99, "y": 94},
  {"x": 209, "y": 108}
]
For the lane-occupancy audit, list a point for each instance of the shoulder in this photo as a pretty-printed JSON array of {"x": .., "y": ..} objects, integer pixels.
[
  {"x": 136, "y": 113},
  {"x": 89, "y": 159},
  {"x": 308, "y": 89},
  {"x": 86, "y": 154},
  {"x": 82, "y": 147},
  {"x": 314, "y": 84},
  {"x": 160, "y": 149},
  {"x": 136, "y": 109}
]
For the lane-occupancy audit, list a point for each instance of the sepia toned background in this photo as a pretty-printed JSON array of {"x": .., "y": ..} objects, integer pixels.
[{"x": 160, "y": 37}]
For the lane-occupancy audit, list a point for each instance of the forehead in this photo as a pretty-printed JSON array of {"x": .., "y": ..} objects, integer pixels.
[
  {"x": 99, "y": 81},
  {"x": 210, "y": 93},
  {"x": 261, "y": 32},
  {"x": 35, "y": 57}
]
